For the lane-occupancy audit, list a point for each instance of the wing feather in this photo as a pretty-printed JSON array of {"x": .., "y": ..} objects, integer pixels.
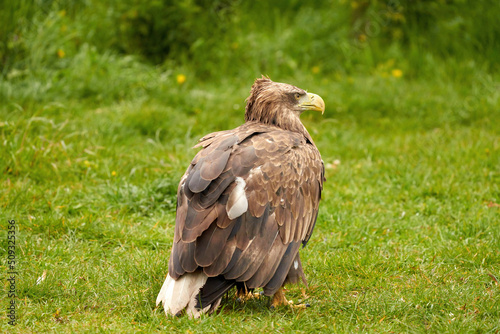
[
  {"x": 269, "y": 265},
  {"x": 276, "y": 281},
  {"x": 195, "y": 228},
  {"x": 255, "y": 251},
  {"x": 196, "y": 183},
  {"x": 279, "y": 175},
  {"x": 208, "y": 244},
  {"x": 175, "y": 269},
  {"x": 222, "y": 261},
  {"x": 214, "y": 165},
  {"x": 186, "y": 256}
]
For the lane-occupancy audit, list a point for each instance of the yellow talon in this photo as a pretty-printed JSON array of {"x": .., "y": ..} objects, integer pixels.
[{"x": 279, "y": 300}]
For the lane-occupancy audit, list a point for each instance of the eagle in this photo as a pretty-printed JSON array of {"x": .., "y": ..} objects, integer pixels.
[{"x": 246, "y": 203}]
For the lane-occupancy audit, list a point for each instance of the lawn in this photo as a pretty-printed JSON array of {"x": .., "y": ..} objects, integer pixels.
[{"x": 93, "y": 144}]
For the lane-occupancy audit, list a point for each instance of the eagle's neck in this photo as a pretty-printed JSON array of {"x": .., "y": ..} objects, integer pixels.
[
  {"x": 286, "y": 120},
  {"x": 294, "y": 124}
]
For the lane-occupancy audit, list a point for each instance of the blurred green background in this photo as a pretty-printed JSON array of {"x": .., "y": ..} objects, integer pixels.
[
  {"x": 104, "y": 51},
  {"x": 101, "y": 102}
]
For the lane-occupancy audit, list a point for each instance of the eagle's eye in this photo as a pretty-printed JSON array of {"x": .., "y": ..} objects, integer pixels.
[{"x": 297, "y": 95}]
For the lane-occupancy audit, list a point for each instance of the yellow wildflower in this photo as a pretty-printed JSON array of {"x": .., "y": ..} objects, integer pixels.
[
  {"x": 181, "y": 78},
  {"x": 60, "y": 53},
  {"x": 398, "y": 17},
  {"x": 397, "y": 73},
  {"x": 113, "y": 173},
  {"x": 315, "y": 69}
]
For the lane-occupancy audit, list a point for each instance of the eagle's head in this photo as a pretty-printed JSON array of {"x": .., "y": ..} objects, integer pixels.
[{"x": 280, "y": 104}]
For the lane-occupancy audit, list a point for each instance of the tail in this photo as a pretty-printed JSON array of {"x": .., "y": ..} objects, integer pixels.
[{"x": 180, "y": 294}]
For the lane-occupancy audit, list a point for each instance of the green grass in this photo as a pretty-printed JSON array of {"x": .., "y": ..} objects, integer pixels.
[
  {"x": 407, "y": 237},
  {"x": 93, "y": 144}
]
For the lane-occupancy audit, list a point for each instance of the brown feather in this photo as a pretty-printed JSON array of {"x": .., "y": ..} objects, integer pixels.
[
  {"x": 223, "y": 220},
  {"x": 194, "y": 230},
  {"x": 255, "y": 251},
  {"x": 175, "y": 269},
  {"x": 214, "y": 164},
  {"x": 195, "y": 215},
  {"x": 280, "y": 274},
  {"x": 234, "y": 259},
  {"x": 208, "y": 244},
  {"x": 186, "y": 256},
  {"x": 269, "y": 265},
  {"x": 180, "y": 218},
  {"x": 296, "y": 275},
  {"x": 241, "y": 236},
  {"x": 222, "y": 261},
  {"x": 195, "y": 182}
]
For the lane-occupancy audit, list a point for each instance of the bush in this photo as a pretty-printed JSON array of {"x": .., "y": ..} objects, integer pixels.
[{"x": 68, "y": 48}]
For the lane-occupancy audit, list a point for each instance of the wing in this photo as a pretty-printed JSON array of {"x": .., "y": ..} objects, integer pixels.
[{"x": 248, "y": 200}]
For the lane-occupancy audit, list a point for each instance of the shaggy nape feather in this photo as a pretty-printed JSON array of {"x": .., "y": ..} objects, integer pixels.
[{"x": 267, "y": 105}]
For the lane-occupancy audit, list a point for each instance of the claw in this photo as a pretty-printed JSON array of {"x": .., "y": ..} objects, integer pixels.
[
  {"x": 243, "y": 295},
  {"x": 279, "y": 300}
]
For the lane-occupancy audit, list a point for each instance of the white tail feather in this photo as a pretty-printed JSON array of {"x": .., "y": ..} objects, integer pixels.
[{"x": 176, "y": 295}]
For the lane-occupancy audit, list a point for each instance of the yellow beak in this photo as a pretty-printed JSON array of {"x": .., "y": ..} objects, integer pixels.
[{"x": 313, "y": 102}]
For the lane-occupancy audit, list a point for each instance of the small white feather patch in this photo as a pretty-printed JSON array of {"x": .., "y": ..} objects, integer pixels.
[
  {"x": 237, "y": 203},
  {"x": 295, "y": 264},
  {"x": 255, "y": 170}
]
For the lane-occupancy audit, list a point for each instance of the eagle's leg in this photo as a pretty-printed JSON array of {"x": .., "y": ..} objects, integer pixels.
[
  {"x": 279, "y": 299},
  {"x": 243, "y": 293}
]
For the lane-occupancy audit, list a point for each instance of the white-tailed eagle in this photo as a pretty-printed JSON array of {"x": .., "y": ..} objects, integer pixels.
[{"x": 246, "y": 203}]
